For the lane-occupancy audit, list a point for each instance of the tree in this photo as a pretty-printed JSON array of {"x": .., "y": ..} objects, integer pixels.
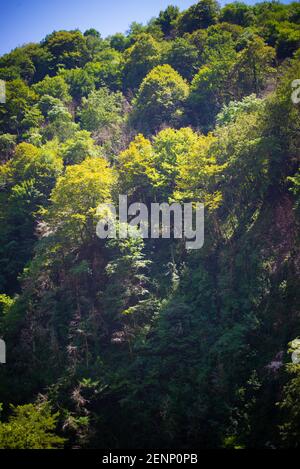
[
  {"x": 247, "y": 162},
  {"x": 7, "y": 145},
  {"x": 208, "y": 92},
  {"x": 160, "y": 99},
  {"x": 53, "y": 86},
  {"x": 134, "y": 165},
  {"x": 237, "y": 13},
  {"x": 95, "y": 45},
  {"x": 29, "y": 63},
  {"x": 254, "y": 65},
  {"x": 127, "y": 300},
  {"x": 76, "y": 196},
  {"x": 214, "y": 83},
  {"x": 80, "y": 82},
  {"x": 170, "y": 147},
  {"x": 106, "y": 69},
  {"x": 201, "y": 15},
  {"x": 178, "y": 164},
  {"x": 30, "y": 427},
  {"x": 287, "y": 39},
  {"x": 19, "y": 99},
  {"x": 29, "y": 162},
  {"x": 119, "y": 42},
  {"x": 92, "y": 32},
  {"x": 230, "y": 112},
  {"x": 27, "y": 180},
  {"x": 102, "y": 109},
  {"x": 67, "y": 48},
  {"x": 60, "y": 122},
  {"x": 135, "y": 29},
  {"x": 33, "y": 119},
  {"x": 183, "y": 56},
  {"x": 197, "y": 173},
  {"x": 139, "y": 59},
  {"x": 79, "y": 147},
  {"x": 167, "y": 19}
]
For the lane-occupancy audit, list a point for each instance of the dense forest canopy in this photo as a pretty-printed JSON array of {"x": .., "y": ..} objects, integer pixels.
[{"x": 132, "y": 343}]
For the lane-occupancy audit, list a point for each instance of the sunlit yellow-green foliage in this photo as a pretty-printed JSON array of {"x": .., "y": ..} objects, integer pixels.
[
  {"x": 170, "y": 146},
  {"x": 5, "y": 304},
  {"x": 197, "y": 172},
  {"x": 77, "y": 194},
  {"x": 160, "y": 98},
  {"x": 177, "y": 164},
  {"x": 30, "y": 427},
  {"x": 30, "y": 162},
  {"x": 134, "y": 165}
]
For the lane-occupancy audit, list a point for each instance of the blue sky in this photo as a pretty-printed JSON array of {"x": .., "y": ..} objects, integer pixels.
[{"x": 25, "y": 21}]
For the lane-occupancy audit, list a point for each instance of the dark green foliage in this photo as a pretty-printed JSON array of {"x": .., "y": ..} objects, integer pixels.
[
  {"x": 67, "y": 49},
  {"x": 131, "y": 343},
  {"x": 237, "y": 13},
  {"x": 167, "y": 20},
  {"x": 184, "y": 57},
  {"x": 19, "y": 99},
  {"x": 140, "y": 59},
  {"x": 201, "y": 15}
]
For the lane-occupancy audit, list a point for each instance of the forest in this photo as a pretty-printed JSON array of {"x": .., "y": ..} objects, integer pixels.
[{"x": 142, "y": 343}]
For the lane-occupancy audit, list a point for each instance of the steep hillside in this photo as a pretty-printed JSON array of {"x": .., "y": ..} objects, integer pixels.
[{"x": 142, "y": 343}]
